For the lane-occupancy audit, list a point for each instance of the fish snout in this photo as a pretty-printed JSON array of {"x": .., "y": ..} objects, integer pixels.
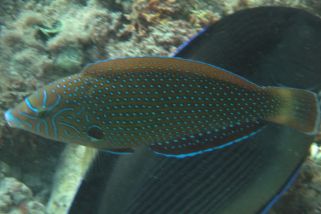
[{"x": 10, "y": 118}]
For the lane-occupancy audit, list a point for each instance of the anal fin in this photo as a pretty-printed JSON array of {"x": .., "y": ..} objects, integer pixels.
[{"x": 207, "y": 141}]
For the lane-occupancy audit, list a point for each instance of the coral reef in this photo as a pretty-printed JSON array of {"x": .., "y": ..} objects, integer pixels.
[
  {"x": 16, "y": 197},
  {"x": 41, "y": 41}
]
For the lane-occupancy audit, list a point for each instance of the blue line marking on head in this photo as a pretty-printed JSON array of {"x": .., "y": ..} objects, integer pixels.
[
  {"x": 44, "y": 101},
  {"x": 15, "y": 122},
  {"x": 67, "y": 133},
  {"x": 46, "y": 127},
  {"x": 70, "y": 126},
  {"x": 38, "y": 126},
  {"x": 9, "y": 117},
  {"x": 54, "y": 117},
  {"x": 57, "y": 102},
  {"x": 27, "y": 115},
  {"x": 27, "y": 101}
]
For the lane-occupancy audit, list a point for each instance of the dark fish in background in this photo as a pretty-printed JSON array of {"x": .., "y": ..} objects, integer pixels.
[{"x": 269, "y": 46}]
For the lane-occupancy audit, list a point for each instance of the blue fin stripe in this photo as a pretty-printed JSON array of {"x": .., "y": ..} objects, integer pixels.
[
  {"x": 210, "y": 149},
  {"x": 182, "y": 46},
  {"x": 284, "y": 189}
]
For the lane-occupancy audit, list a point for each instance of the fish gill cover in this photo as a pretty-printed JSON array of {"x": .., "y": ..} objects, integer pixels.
[{"x": 42, "y": 41}]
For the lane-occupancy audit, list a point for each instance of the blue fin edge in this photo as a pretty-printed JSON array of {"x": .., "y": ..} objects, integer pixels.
[
  {"x": 283, "y": 190},
  {"x": 182, "y": 46},
  {"x": 210, "y": 149}
]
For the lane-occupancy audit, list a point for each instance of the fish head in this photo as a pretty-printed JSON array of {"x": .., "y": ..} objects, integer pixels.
[
  {"x": 56, "y": 112},
  {"x": 33, "y": 113}
]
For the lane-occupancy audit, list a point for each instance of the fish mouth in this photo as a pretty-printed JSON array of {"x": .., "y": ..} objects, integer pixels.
[{"x": 10, "y": 118}]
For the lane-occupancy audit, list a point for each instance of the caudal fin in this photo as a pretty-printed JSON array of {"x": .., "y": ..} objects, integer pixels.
[{"x": 299, "y": 109}]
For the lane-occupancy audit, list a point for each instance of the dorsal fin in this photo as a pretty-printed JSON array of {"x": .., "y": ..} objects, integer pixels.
[{"x": 164, "y": 64}]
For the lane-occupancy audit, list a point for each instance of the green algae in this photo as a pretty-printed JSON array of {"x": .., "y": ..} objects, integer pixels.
[
  {"x": 48, "y": 32},
  {"x": 69, "y": 58}
]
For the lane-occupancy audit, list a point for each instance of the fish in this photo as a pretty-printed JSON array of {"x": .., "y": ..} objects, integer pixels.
[{"x": 177, "y": 107}]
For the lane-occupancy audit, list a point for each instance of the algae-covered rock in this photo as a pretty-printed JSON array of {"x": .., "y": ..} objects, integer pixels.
[
  {"x": 69, "y": 58},
  {"x": 50, "y": 31},
  {"x": 16, "y": 197},
  {"x": 4, "y": 169}
]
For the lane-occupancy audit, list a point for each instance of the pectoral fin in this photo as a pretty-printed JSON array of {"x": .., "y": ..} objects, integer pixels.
[{"x": 121, "y": 151}]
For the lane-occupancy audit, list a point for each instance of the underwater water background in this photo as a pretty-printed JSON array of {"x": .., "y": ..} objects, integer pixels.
[{"x": 41, "y": 41}]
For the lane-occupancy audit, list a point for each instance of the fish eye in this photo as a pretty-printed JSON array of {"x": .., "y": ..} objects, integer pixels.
[{"x": 95, "y": 132}]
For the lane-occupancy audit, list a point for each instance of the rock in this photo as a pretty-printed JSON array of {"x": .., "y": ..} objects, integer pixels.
[{"x": 16, "y": 198}]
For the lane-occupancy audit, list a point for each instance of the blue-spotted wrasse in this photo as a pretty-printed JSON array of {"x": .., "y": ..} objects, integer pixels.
[{"x": 177, "y": 107}]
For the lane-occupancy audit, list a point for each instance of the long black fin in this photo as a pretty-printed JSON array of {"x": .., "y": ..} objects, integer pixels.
[{"x": 261, "y": 44}]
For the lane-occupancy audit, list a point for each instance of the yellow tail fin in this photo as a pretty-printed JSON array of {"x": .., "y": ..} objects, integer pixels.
[{"x": 299, "y": 109}]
